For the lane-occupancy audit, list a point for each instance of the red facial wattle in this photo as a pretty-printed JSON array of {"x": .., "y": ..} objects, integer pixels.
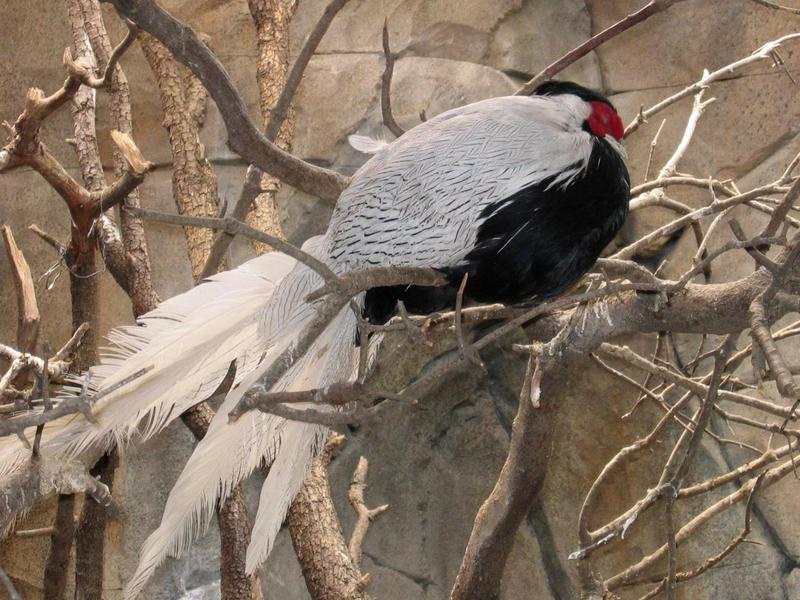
[{"x": 604, "y": 120}]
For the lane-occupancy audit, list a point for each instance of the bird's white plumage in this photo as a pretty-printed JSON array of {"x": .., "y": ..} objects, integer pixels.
[
  {"x": 188, "y": 343},
  {"x": 417, "y": 201},
  {"x": 413, "y": 189}
]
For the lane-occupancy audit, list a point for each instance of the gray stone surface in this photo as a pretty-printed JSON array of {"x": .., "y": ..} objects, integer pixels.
[
  {"x": 433, "y": 467},
  {"x": 792, "y": 584}
]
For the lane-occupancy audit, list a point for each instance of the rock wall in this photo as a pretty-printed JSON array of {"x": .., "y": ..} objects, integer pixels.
[{"x": 436, "y": 466}]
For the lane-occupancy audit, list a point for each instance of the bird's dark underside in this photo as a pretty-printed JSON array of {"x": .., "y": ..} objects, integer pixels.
[{"x": 530, "y": 246}]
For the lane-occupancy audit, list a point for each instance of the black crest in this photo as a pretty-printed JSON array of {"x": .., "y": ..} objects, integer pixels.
[{"x": 559, "y": 88}]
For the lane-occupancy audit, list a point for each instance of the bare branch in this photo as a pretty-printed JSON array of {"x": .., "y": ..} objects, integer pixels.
[
  {"x": 681, "y": 222},
  {"x": 329, "y": 571},
  {"x": 276, "y": 124},
  {"x": 234, "y": 227},
  {"x": 125, "y": 252},
  {"x": 700, "y": 389},
  {"x": 761, "y": 334},
  {"x": 653, "y": 145},
  {"x": 48, "y": 239},
  {"x": 355, "y": 494},
  {"x": 244, "y": 138},
  {"x": 517, "y": 485},
  {"x": 775, "y": 6},
  {"x": 386, "y": 85},
  {"x": 713, "y": 561},
  {"x": 251, "y": 188},
  {"x": 744, "y": 492},
  {"x": 763, "y": 53},
  {"x": 281, "y": 109},
  {"x": 83, "y": 72},
  {"x": 27, "y": 307},
  {"x": 651, "y": 8}
]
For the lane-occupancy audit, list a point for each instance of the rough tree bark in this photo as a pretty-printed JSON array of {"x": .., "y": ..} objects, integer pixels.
[
  {"x": 194, "y": 184},
  {"x": 139, "y": 285},
  {"x": 127, "y": 250},
  {"x": 272, "y": 19},
  {"x": 325, "y": 560},
  {"x": 90, "y": 534}
]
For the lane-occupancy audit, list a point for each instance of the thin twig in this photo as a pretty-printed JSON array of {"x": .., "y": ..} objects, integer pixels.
[
  {"x": 467, "y": 352},
  {"x": 765, "y": 52},
  {"x": 49, "y": 239},
  {"x": 386, "y": 85},
  {"x": 651, "y": 8},
  {"x": 82, "y": 71},
  {"x": 365, "y": 516},
  {"x": 29, "y": 533},
  {"x": 769, "y": 478},
  {"x": 281, "y": 109},
  {"x": 235, "y": 227},
  {"x": 653, "y": 145},
  {"x": 775, "y": 6},
  {"x": 713, "y": 561}
]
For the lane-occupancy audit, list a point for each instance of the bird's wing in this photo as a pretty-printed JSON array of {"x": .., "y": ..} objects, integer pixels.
[{"x": 419, "y": 200}]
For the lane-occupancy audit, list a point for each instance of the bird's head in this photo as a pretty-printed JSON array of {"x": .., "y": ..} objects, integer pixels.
[{"x": 602, "y": 119}]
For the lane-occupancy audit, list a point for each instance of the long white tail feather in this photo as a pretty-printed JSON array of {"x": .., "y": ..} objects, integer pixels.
[
  {"x": 231, "y": 451},
  {"x": 188, "y": 342},
  {"x": 301, "y": 442},
  {"x": 227, "y": 454}
]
